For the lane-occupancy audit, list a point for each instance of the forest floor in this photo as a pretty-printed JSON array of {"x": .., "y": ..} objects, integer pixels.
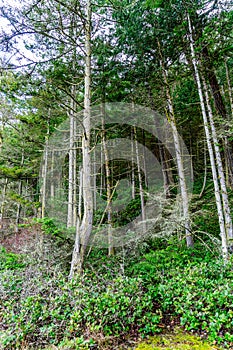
[
  {"x": 177, "y": 340},
  {"x": 173, "y": 336},
  {"x": 15, "y": 241}
]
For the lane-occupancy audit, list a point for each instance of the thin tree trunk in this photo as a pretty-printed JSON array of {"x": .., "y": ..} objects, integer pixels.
[
  {"x": 77, "y": 232},
  {"x": 109, "y": 194},
  {"x": 209, "y": 69},
  {"x": 210, "y": 148},
  {"x": 144, "y": 158},
  {"x": 75, "y": 172},
  {"x": 219, "y": 104},
  {"x": 94, "y": 181},
  {"x": 205, "y": 174},
  {"x": 229, "y": 86},
  {"x": 83, "y": 231},
  {"x": 3, "y": 202},
  {"x": 52, "y": 188},
  {"x": 101, "y": 171},
  {"x": 44, "y": 175},
  {"x": 141, "y": 192},
  {"x": 191, "y": 159},
  {"x": 132, "y": 167},
  {"x": 72, "y": 163},
  {"x": 221, "y": 175},
  {"x": 180, "y": 165},
  {"x": 228, "y": 157},
  {"x": 19, "y": 206},
  {"x": 166, "y": 168},
  {"x": 80, "y": 194},
  {"x": 167, "y": 176}
]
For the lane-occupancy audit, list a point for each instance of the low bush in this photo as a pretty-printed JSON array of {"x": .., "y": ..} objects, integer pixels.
[
  {"x": 61, "y": 310},
  {"x": 10, "y": 260},
  {"x": 192, "y": 288}
]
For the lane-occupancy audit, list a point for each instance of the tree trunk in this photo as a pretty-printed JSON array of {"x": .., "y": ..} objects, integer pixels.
[
  {"x": 141, "y": 192},
  {"x": 229, "y": 157},
  {"x": 52, "y": 188},
  {"x": 221, "y": 175},
  {"x": 72, "y": 163},
  {"x": 44, "y": 173},
  {"x": 132, "y": 166},
  {"x": 229, "y": 87},
  {"x": 209, "y": 145},
  {"x": 205, "y": 174},
  {"x": 20, "y": 188},
  {"x": 180, "y": 166},
  {"x": 83, "y": 231},
  {"x": 220, "y": 106},
  {"x": 3, "y": 202},
  {"x": 218, "y": 100},
  {"x": 109, "y": 194}
]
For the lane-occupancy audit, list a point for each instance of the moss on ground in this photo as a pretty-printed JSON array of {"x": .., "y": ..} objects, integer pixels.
[{"x": 177, "y": 341}]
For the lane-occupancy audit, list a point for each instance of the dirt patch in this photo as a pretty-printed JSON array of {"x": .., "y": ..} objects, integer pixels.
[{"x": 16, "y": 242}]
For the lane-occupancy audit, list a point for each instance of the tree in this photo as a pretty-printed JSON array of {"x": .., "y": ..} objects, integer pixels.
[
  {"x": 224, "y": 219},
  {"x": 83, "y": 229}
]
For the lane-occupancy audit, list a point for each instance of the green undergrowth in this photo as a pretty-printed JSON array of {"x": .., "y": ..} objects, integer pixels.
[
  {"x": 194, "y": 286},
  {"x": 128, "y": 296},
  {"x": 10, "y": 260}
]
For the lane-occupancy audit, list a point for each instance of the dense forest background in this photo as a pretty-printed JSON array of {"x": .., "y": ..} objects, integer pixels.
[{"x": 76, "y": 77}]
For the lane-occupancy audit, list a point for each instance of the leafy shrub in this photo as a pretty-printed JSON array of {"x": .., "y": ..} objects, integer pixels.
[
  {"x": 193, "y": 286},
  {"x": 169, "y": 260},
  {"x": 10, "y": 260},
  {"x": 60, "y": 310},
  {"x": 38, "y": 306}
]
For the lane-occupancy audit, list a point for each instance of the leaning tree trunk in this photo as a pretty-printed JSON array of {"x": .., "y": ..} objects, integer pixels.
[
  {"x": 221, "y": 175},
  {"x": 164, "y": 158},
  {"x": 220, "y": 106},
  {"x": 180, "y": 165},
  {"x": 209, "y": 145},
  {"x": 181, "y": 173},
  {"x": 83, "y": 231}
]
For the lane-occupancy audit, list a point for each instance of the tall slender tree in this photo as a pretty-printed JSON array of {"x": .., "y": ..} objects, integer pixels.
[
  {"x": 222, "y": 223},
  {"x": 83, "y": 230}
]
